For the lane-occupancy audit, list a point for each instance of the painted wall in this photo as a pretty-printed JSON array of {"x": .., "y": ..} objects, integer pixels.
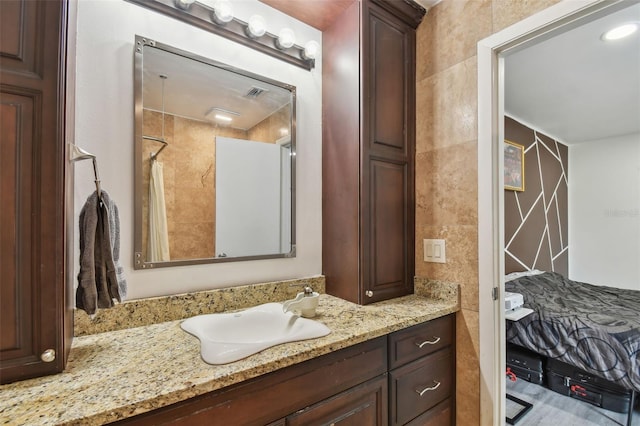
[
  {"x": 447, "y": 158},
  {"x": 536, "y": 219},
  {"x": 604, "y": 212},
  {"x": 105, "y": 127}
]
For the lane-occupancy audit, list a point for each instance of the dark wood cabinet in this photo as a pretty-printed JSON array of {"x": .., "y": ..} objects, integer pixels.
[
  {"x": 35, "y": 332},
  {"x": 369, "y": 150}
]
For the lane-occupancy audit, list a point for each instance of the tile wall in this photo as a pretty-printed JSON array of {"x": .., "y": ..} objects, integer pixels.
[
  {"x": 272, "y": 128},
  {"x": 446, "y": 160}
]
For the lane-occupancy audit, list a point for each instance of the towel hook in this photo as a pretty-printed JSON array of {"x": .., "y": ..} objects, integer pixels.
[{"x": 79, "y": 154}]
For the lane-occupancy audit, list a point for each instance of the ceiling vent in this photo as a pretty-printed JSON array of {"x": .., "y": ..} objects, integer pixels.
[{"x": 255, "y": 91}]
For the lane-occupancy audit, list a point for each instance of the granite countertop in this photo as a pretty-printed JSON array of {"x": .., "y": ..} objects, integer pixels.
[{"x": 118, "y": 374}]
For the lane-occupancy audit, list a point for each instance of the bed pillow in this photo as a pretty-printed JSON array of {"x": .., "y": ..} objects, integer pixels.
[{"x": 514, "y": 275}]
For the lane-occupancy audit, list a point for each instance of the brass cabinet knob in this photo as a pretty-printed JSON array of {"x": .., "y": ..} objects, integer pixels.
[{"x": 48, "y": 356}]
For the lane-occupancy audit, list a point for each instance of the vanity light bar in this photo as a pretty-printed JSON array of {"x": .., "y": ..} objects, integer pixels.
[{"x": 202, "y": 16}]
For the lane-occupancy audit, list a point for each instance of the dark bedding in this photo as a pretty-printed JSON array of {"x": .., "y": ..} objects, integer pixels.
[{"x": 595, "y": 328}]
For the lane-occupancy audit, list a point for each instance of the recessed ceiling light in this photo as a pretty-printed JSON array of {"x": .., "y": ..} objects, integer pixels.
[
  {"x": 620, "y": 32},
  {"x": 223, "y": 118},
  {"x": 220, "y": 114}
]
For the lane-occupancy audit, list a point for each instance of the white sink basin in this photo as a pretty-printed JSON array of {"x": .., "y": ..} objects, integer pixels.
[{"x": 229, "y": 337}]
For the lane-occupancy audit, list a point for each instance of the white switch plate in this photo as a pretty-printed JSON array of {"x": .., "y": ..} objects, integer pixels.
[{"x": 434, "y": 251}]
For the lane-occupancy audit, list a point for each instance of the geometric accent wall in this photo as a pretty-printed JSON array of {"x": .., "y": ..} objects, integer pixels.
[{"x": 536, "y": 220}]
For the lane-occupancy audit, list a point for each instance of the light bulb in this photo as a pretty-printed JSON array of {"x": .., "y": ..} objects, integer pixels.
[
  {"x": 311, "y": 50},
  {"x": 222, "y": 12},
  {"x": 286, "y": 39},
  {"x": 256, "y": 27},
  {"x": 184, "y": 4}
]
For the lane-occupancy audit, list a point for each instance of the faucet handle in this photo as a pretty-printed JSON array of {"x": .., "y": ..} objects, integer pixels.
[
  {"x": 287, "y": 306},
  {"x": 308, "y": 291}
]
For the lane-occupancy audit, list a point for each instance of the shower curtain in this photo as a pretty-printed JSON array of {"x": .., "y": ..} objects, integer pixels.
[{"x": 158, "y": 241}]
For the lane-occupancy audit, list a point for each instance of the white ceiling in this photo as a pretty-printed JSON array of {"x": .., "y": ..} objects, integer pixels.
[{"x": 575, "y": 87}]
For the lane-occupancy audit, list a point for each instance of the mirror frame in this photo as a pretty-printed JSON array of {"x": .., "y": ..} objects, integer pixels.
[{"x": 139, "y": 262}]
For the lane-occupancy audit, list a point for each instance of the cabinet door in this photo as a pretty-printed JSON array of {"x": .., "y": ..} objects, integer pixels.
[
  {"x": 32, "y": 189},
  {"x": 365, "y": 404},
  {"x": 388, "y": 156}
]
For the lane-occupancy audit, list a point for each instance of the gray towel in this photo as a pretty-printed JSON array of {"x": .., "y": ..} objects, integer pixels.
[
  {"x": 101, "y": 278},
  {"x": 114, "y": 228}
]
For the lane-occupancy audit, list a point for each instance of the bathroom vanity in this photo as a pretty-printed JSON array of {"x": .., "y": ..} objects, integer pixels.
[
  {"x": 369, "y": 370},
  {"x": 406, "y": 377}
]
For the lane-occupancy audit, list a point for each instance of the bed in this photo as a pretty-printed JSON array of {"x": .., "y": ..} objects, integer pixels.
[{"x": 595, "y": 328}]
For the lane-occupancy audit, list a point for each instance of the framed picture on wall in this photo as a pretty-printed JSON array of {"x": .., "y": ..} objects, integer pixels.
[{"x": 513, "y": 166}]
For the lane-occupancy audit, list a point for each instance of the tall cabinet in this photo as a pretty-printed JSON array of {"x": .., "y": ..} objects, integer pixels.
[
  {"x": 35, "y": 325},
  {"x": 369, "y": 150}
]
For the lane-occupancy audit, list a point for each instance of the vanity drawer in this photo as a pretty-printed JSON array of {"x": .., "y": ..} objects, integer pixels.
[
  {"x": 440, "y": 415},
  {"x": 417, "y": 387},
  {"x": 420, "y": 340}
]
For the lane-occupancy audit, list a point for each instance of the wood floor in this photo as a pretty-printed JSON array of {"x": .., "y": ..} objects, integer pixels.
[{"x": 551, "y": 408}]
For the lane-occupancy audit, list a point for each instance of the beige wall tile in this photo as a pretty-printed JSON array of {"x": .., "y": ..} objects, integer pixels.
[
  {"x": 192, "y": 135},
  {"x": 508, "y": 12},
  {"x": 467, "y": 368},
  {"x": 462, "y": 260},
  {"x": 192, "y": 240},
  {"x": 447, "y": 107},
  {"x": 193, "y": 205},
  {"x": 449, "y": 33},
  {"x": 446, "y": 186},
  {"x": 195, "y": 169},
  {"x": 273, "y": 127}
]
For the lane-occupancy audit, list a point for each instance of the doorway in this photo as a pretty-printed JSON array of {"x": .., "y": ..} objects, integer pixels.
[{"x": 491, "y": 109}]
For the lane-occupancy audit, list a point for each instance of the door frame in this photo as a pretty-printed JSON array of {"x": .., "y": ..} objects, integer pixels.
[{"x": 490, "y": 51}]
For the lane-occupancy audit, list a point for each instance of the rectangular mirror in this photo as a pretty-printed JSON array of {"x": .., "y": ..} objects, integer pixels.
[{"x": 214, "y": 161}]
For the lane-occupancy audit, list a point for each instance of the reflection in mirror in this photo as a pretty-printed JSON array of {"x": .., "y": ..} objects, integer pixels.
[{"x": 215, "y": 161}]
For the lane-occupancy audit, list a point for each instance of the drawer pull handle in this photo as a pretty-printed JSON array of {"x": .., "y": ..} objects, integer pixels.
[
  {"x": 425, "y": 390},
  {"x": 428, "y": 342}
]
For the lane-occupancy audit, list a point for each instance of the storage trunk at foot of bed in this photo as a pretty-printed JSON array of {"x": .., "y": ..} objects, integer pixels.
[
  {"x": 572, "y": 381},
  {"x": 525, "y": 364}
]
